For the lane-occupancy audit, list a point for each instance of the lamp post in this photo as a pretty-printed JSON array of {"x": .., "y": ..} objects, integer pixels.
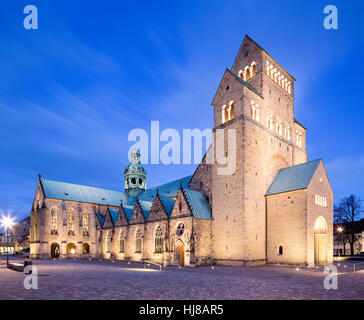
[
  {"x": 340, "y": 230},
  {"x": 7, "y": 222}
]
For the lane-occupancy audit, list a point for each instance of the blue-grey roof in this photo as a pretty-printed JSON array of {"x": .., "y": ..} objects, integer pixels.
[
  {"x": 169, "y": 189},
  {"x": 168, "y": 203},
  {"x": 199, "y": 205},
  {"x": 128, "y": 211},
  {"x": 293, "y": 178},
  {"x": 246, "y": 84},
  {"x": 146, "y": 206},
  {"x": 101, "y": 218},
  {"x": 74, "y": 192},
  {"x": 114, "y": 215}
]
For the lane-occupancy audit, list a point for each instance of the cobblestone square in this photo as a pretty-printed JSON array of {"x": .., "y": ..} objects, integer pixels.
[{"x": 69, "y": 279}]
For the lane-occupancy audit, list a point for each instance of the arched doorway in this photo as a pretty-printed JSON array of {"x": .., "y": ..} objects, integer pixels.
[
  {"x": 320, "y": 231},
  {"x": 180, "y": 253},
  {"x": 85, "y": 248},
  {"x": 71, "y": 248},
  {"x": 55, "y": 251}
]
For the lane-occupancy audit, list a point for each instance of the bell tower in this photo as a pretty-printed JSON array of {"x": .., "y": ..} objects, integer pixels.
[{"x": 135, "y": 175}]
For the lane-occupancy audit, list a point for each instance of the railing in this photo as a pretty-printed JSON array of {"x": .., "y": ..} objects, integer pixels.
[
  {"x": 355, "y": 264},
  {"x": 146, "y": 262}
]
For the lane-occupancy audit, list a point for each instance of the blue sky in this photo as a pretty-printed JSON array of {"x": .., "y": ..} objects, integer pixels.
[{"x": 71, "y": 91}]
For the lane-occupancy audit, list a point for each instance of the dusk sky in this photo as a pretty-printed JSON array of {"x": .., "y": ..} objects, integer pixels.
[{"x": 71, "y": 91}]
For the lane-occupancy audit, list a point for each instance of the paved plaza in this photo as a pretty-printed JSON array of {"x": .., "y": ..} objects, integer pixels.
[{"x": 69, "y": 279}]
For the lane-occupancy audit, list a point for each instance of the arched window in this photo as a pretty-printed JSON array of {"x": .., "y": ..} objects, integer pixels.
[
  {"x": 225, "y": 115},
  {"x": 85, "y": 223},
  {"x": 138, "y": 242},
  {"x": 158, "y": 240},
  {"x": 85, "y": 248},
  {"x": 279, "y": 128},
  {"x": 298, "y": 139},
  {"x": 270, "y": 122},
  {"x": 108, "y": 242},
  {"x": 122, "y": 242},
  {"x": 231, "y": 110},
  {"x": 71, "y": 222},
  {"x": 287, "y": 132},
  {"x": 180, "y": 206},
  {"x": 255, "y": 112},
  {"x": 54, "y": 221},
  {"x": 253, "y": 69},
  {"x": 280, "y": 251},
  {"x": 241, "y": 74},
  {"x": 246, "y": 73},
  {"x": 71, "y": 248}
]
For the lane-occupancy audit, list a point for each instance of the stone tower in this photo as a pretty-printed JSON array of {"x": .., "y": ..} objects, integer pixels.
[
  {"x": 256, "y": 99},
  {"x": 135, "y": 175}
]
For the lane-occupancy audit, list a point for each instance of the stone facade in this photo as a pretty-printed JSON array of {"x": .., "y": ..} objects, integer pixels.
[{"x": 255, "y": 101}]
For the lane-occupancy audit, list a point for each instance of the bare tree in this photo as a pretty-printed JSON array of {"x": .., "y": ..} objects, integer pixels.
[{"x": 347, "y": 212}]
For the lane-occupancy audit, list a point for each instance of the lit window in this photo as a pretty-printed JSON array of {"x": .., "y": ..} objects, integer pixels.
[
  {"x": 270, "y": 122},
  {"x": 85, "y": 222},
  {"x": 231, "y": 110},
  {"x": 108, "y": 242},
  {"x": 279, "y": 128},
  {"x": 138, "y": 242},
  {"x": 299, "y": 139},
  {"x": 122, "y": 242},
  {"x": 71, "y": 222},
  {"x": 321, "y": 201},
  {"x": 54, "y": 220},
  {"x": 159, "y": 240},
  {"x": 225, "y": 115},
  {"x": 287, "y": 133}
]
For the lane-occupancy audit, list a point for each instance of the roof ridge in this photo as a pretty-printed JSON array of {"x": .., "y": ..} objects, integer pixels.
[
  {"x": 246, "y": 84},
  {"x": 80, "y": 185}
]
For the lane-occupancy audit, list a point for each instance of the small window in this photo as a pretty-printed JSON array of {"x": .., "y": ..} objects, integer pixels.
[
  {"x": 180, "y": 206},
  {"x": 180, "y": 229},
  {"x": 280, "y": 250}
]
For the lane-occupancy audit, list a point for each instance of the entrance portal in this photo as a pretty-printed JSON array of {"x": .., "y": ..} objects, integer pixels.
[
  {"x": 180, "y": 253},
  {"x": 320, "y": 231},
  {"x": 55, "y": 252}
]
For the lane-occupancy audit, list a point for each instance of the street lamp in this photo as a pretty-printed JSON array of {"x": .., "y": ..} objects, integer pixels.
[
  {"x": 340, "y": 230},
  {"x": 7, "y": 222}
]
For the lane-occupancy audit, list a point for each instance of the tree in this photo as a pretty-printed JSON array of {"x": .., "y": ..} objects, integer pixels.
[{"x": 347, "y": 212}]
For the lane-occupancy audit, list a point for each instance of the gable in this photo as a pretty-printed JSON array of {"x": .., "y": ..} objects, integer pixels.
[
  {"x": 137, "y": 215},
  {"x": 320, "y": 182},
  {"x": 157, "y": 212},
  {"x": 184, "y": 209},
  {"x": 108, "y": 223},
  {"x": 121, "y": 219}
]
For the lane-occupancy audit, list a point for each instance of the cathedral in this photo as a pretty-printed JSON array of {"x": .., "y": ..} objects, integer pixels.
[{"x": 275, "y": 208}]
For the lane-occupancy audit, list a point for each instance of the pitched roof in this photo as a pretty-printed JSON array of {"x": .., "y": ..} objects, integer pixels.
[
  {"x": 168, "y": 203},
  {"x": 260, "y": 47},
  {"x": 146, "y": 206},
  {"x": 246, "y": 84},
  {"x": 128, "y": 211},
  {"x": 198, "y": 203},
  {"x": 74, "y": 192},
  {"x": 300, "y": 124},
  {"x": 293, "y": 178},
  {"x": 114, "y": 215},
  {"x": 101, "y": 218}
]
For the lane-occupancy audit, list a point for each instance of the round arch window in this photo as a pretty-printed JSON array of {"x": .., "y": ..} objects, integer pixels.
[
  {"x": 133, "y": 180},
  {"x": 180, "y": 229}
]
